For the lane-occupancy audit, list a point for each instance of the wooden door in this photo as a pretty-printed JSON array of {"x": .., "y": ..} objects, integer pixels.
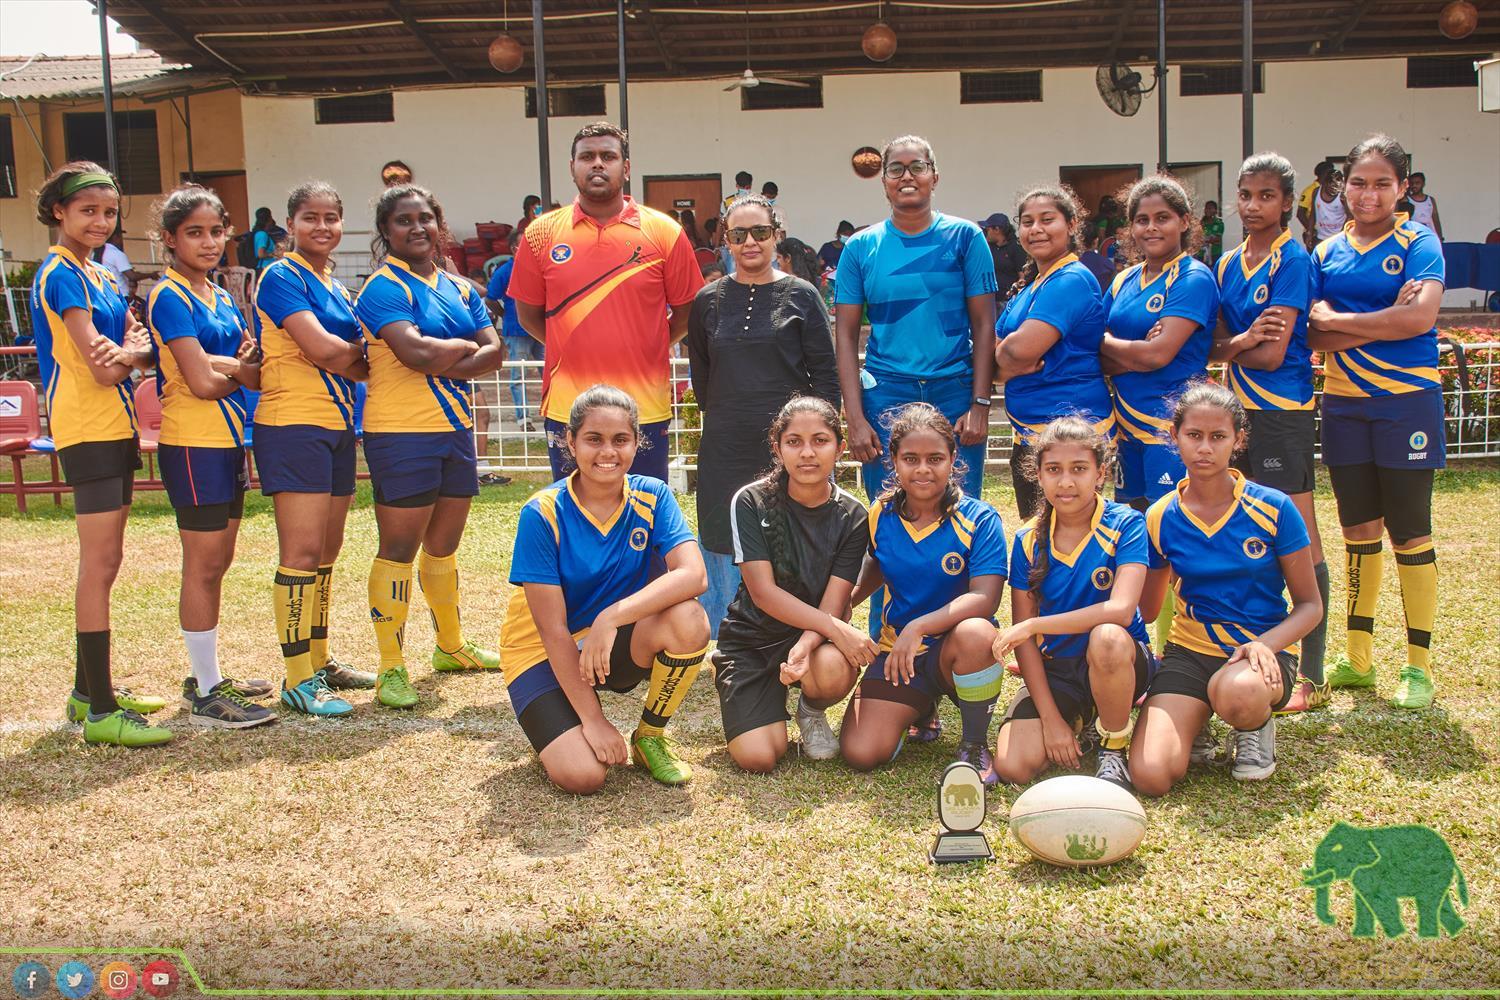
[
  {"x": 700, "y": 193},
  {"x": 232, "y": 191},
  {"x": 1093, "y": 183}
]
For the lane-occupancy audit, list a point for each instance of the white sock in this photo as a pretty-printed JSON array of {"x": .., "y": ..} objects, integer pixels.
[{"x": 203, "y": 654}]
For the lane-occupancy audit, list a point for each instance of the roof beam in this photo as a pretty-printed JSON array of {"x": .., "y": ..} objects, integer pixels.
[
  {"x": 420, "y": 34},
  {"x": 661, "y": 44},
  {"x": 1336, "y": 41},
  {"x": 1113, "y": 48},
  {"x": 174, "y": 27}
]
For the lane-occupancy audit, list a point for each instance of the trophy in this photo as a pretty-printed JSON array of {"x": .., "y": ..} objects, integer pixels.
[{"x": 961, "y": 814}]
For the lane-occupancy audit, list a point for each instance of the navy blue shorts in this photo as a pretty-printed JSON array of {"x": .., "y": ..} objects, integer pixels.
[
  {"x": 926, "y": 687},
  {"x": 202, "y": 477},
  {"x": 1068, "y": 680},
  {"x": 1393, "y": 432},
  {"x": 543, "y": 708},
  {"x": 1146, "y": 470},
  {"x": 651, "y": 460},
  {"x": 301, "y": 458},
  {"x": 434, "y": 463}
]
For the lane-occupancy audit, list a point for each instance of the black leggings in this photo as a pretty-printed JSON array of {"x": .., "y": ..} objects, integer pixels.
[
  {"x": 100, "y": 496},
  {"x": 1369, "y": 492}
]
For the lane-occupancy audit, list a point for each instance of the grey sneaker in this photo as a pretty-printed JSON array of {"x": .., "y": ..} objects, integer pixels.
[
  {"x": 1205, "y": 745},
  {"x": 1255, "y": 752},
  {"x": 342, "y": 677},
  {"x": 1112, "y": 768},
  {"x": 226, "y": 708},
  {"x": 818, "y": 741},
  {"x": 252, "y": 688}
]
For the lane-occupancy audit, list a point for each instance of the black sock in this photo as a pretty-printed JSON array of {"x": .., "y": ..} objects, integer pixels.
[
  {"x": 80, "y": 679},
  {"x": 93, "y": 659},
  {"x": 1315, "y": 646}
]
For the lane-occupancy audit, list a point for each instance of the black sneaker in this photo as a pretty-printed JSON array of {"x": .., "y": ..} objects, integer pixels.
[
  {"x": 342, "y": 677},
  {"x": 1112, "y": 768},
  {"x": 253, "y": 688},
  {"x": 494, "y": 479},
  {"x": 224, "y": 708}
]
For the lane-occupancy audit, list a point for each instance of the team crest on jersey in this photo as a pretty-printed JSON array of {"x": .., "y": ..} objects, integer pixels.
[
  {"x": 1262, "y": 292},
  {"x": 1418, "y": 441},
  {"x": 1155, "y": 302},
  {"x": 1392, "y": 264},
  {"x": 1254, "y": 547},
  {"x": 953, "y": 564},
  {"x": 1103, "y": 578},
  {"x": 638, "y": 539},
  {"x": 561, "y": 254}
]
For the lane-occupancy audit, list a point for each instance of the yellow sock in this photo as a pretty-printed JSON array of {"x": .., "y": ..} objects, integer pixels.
[
  {"x": 1365, "y": 563},
  {"x": 318, "y": 651},
  {"x": 390, "y": 598},
  {"x": 438, "y": 576},
  {"x": 293, "y": 595},
  {"x": 1416, "y": 568},
  {"x": 1162, "y": 629},
  {"x": 671, "y": 676}
]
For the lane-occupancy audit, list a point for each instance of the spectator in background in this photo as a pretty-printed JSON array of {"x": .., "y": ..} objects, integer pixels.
[
  {"x": 1005, "y": 252},
  {"x": 395, "y": 172},
  {"x": 1100, "y": 266},
  {"x": 797, "y": 258},
  {"x": 1213, "y": 234},
  {"x": 1305, "y": 200},
  {"x": 112, "y": 255},
  {"x": 267, "y": 235},
  {"x": 742, "y": 182},
  {"x": 689, "y": 222},
  {"x": 769, "y": 191},
  {"x": 1109, "y": 220},
  {"x": 1423, "y": 205},
  {"x": 830, "y": 252},
  {"x": 712, "y": 272},
  {"x": 519, "y": 345},
  {"x": 531, "y": 207},
  {"x": 711, "y": 233},
  {"x": 1328, "y": 209}
]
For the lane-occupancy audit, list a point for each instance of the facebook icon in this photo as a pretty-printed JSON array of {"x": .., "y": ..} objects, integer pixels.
[{"x": 30, "y": 980}]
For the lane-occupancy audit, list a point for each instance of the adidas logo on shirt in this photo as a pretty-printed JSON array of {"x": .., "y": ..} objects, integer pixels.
[{"x": 1165, "y": 480}]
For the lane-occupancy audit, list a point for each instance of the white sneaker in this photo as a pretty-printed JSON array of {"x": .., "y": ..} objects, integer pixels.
[
  {"x": 1255, "y": 752},
  {"x": 818, "y": 740},
  {"x": 1205, "y": 745}
]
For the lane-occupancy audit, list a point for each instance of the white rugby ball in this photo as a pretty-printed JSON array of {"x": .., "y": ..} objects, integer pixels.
[{"x": 1078, "y": 821}]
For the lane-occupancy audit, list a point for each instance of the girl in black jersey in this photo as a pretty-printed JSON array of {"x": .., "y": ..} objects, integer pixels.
[{"x": 799, "y": 541}]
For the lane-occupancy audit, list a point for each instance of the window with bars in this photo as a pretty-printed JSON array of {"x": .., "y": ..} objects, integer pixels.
[
  {"x": 356, "y": 109},
  {"x": 773, "y": 96},
  {"x": 1430, "y": 72},
  {"x": 135, "y": 143},
  {"x": 1010, "y": 87},
  {"x": 569, "y": 102},
  {"x": 1205, "y": 81}
]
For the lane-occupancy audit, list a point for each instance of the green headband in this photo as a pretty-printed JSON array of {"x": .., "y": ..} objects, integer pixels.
[{"x": 78, "y": 182}]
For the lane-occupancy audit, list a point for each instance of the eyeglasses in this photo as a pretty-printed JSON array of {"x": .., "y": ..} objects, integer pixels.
[
  {"x": 759, "y": 233},
  {"x": 917, "y": 168}
]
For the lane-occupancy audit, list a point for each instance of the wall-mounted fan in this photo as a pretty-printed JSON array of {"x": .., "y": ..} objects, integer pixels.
[{"x": 1120, "y": 86}]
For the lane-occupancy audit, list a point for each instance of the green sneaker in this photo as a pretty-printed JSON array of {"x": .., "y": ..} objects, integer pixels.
[
  {"x": 659, "y": 755},
  {"x": 393, "y": 689},
  {"x": 1415, "y": 690},
  {"x": 1341, "y": 674},
  {"x": 77, "y": 708},
  {"x": 466, "y": 657},
  {"x": 124, "y": 728}
]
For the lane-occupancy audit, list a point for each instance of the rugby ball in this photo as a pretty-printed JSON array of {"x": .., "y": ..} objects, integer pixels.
[{"x": 1077, "y": 821}]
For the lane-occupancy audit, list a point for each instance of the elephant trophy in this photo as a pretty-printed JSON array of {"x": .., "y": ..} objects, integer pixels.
[
  {"x": 961, "y": 814},
  {"x": 1383, "y": 866}
]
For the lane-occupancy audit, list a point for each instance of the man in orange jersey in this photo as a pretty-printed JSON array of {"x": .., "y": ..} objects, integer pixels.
[{"x": 593, "y": 281}]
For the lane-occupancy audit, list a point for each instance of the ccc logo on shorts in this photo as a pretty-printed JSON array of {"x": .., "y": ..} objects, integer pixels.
[
  {"x": 1103, "y": 578},
  {"x": 1262, "y": 292},
  {"x": 638, "y": 539},
  {"x": 1254, "y": 547},
  {"x": 1391, "y": 265},
  {"x": 561, "y": 254},
  {"x": 1155, "y": 302},
  {"x": 1418, "y": 441},
  {"x": 953, "y": 564}
]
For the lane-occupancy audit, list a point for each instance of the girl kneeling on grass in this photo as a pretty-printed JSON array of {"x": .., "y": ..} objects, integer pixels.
[
  {"x": 941, "y": 557},
  {"x": 799, "y": 541},
  {"x": 1233, "y": 546},
  {"x": 1076, "y": 573},
  {"x": 585, "y": 613}
]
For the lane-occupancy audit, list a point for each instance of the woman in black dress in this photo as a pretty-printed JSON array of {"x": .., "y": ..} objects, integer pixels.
[{"x": 755, "y": 339}]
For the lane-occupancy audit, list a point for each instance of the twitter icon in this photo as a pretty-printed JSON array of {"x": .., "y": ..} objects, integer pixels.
[{"x": 75, "y": 980}]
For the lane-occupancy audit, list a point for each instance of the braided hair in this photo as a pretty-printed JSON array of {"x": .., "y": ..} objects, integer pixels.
[
  {"x": 1072, "y": 210},
  {"x": 778, "y": 532},
  {"x": 1063, "y": 430},
  {"x": 910, "y": 419}
]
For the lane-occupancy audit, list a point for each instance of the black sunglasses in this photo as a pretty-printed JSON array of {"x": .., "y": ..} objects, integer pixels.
[{"x": 760, "y": 233}]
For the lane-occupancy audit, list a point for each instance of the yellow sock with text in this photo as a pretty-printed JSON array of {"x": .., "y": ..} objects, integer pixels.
[
  {"x": 390, "y": 599},
  {"x": 1365, "y": 566},
  {"x": 438, "y": 576},
  {"x": 293, "y": 596},
  {"x": 671, "y": 676}
]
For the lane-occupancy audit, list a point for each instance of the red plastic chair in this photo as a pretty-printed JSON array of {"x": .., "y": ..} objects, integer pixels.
[
  {"x": 705, "y": 256},
  {"x": 20, "y": 426},
  {"x": 148, "y": 421}
]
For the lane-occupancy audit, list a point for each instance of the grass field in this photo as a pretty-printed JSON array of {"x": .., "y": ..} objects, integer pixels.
[{"x": 426, "y": 849}]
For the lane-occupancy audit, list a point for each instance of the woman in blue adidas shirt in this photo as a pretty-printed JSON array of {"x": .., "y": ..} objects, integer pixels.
[
  {"x": 1377, "y": 287},
  {"x": 1076, "y": 572},
  {"x": 1231, "y": 547},
  {"x": 1161, "y": 314}
]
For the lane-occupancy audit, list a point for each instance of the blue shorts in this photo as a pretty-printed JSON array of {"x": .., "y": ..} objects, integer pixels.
[
  {"x": 1393, "y": 432},
  {"x": 1068, "y": 680},
  {"x": 439, "y": 463},
  {"x": 952, "y": 396},
  {"x": 302, "y": 458},
  {"x": 202, "y": 477},
  {"x": 926, "y": 687},
  {"x": 651, "y": 460},
  {"x": 543, "y": 709},
  {"x": 1146, "y": 470}
]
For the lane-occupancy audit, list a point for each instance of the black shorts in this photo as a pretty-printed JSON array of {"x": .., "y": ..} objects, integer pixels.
[
  {"x": 1280, "y": 452},
  {"x": 1184, "y": 671},
  {"x": 102, "y": 473},
  {"x": 1068, "y": 680},
  {"x": 748, "y": 679},
  {"x": 211, "y": 516},
  {"x": 543, "y": 709}
]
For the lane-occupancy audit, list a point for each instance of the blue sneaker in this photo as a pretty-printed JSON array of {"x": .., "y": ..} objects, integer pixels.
[{"x": 314, "y": 697}]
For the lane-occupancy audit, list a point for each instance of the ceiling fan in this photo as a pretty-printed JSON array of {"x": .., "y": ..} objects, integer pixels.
[{"x": 749, "y": 79}]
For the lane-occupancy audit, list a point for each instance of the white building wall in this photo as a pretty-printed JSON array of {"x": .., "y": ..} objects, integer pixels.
[{"x": 475, "y": 148}]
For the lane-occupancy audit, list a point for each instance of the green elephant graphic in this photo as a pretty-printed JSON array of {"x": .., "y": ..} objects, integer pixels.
[
  {"x": 1385, "y": 865},
  {"x": 962, "y": 795},
  {"x": 1090, "y": 849}
]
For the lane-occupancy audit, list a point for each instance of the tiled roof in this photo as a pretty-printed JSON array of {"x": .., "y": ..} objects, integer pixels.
[{"x": 55, "y": 77}]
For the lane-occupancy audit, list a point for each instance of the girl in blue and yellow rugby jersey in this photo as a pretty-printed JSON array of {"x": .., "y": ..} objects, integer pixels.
[
  {"x": 1231, "y": 547},
  {"x": 88, "y": 343},
  {"x": 1265, "y": 289},
  {"x": 585, "y": 612},
  {"x": 1048, "y": 337},
  {"x": 940, "y": 556},
  {"x": 312, "y": 353},
  {"x": 205, "y": 361},
  {"x": 427, "y": 333},
  {"x": 1377, "y": 287},
  {"x": 1076, "y": 574},
  {"x": 1161, "y": 315}
]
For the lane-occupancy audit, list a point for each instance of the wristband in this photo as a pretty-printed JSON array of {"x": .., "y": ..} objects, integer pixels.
[{"x": 984, "y": 401}]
